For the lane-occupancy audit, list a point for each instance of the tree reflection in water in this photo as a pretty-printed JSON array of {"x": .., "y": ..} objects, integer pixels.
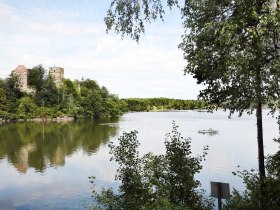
[{"x": 42, "y": 145}]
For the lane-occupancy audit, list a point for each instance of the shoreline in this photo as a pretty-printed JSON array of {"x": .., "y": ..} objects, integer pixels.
[{"x": 44, "y": 119}]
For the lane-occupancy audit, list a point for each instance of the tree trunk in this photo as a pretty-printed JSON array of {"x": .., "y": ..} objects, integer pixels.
[{"x": 260, "y": 141}]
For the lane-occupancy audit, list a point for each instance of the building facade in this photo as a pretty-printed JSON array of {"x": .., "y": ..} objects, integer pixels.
[{"x": 21, "y": 72}]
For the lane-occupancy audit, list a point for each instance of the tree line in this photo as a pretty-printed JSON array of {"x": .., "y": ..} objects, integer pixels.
[
  {"x": 77, "y": 99},
  {"x": 160, "y": 104}
]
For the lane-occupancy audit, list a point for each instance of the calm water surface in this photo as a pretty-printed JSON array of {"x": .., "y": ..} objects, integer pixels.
[{"x": 47, "y": 165}]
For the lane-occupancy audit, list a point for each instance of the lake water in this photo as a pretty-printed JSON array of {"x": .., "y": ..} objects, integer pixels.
[{"x": 47, "y": 165}]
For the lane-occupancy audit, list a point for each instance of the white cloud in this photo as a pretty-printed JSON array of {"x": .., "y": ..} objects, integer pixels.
[{"x": 52, "y": 36}]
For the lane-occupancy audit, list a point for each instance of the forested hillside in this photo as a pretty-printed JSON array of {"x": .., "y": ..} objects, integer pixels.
[{"x": 78, "y": 99}]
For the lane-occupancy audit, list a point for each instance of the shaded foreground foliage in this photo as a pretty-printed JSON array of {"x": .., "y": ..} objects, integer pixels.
[
  {"x": 251, "y": 197},
  {"x": 167, "y": 181},
  {"x": 232, "y": 48},
  {"x": 155, "y": 181}
]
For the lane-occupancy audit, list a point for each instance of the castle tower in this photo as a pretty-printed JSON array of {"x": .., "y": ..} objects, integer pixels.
[
  {"x": 58, "y": 75},
  {"x": 21, "y": 72}
]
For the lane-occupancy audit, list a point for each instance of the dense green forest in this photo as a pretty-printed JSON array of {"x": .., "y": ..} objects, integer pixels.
[
  {"x": 78, "y": 99},
  {"x": 160, "y": 104}
]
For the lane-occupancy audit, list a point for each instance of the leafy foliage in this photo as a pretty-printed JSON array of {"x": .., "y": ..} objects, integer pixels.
[
  {"x": 129, "y": 17},
  {"x": 153, "y": 104},
  {"x": 251, "y": 198},
  {"x": 232, "y": 48},
  {"x": 155, "y": 181},
  {"x": 36, "y": 77},
  {"x": 47, "y": 94},
  {"x": 27, "y": 108},
  {"x": 78, "y": 99}
]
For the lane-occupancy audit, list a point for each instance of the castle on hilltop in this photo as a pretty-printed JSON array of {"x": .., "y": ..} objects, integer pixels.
[{"x": 21, "y": 72}]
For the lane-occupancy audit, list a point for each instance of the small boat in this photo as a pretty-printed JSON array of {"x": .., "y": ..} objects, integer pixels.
[{"x": 209, "y": 131}]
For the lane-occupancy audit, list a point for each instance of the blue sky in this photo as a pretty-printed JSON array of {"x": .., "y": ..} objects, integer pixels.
[{"x": 71, "y": 34}]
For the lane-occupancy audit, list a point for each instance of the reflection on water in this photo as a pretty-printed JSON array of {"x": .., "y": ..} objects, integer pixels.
[
  {"x": 46, "y": 165},
  {"x": 42, "y": 145}
]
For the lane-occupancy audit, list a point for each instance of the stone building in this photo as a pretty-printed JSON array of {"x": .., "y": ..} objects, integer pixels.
[
  {"x": 21, "y": 72},
  {"x": 58, "y": 75}
]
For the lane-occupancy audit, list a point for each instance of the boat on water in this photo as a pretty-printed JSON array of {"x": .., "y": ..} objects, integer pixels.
[{"x": 208, "y": 131}]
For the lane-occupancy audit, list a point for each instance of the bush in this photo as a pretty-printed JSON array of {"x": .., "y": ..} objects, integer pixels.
[
  {"x": 251, "y": 197},
  {"x": 8, "y": 116},
  {"x": 154, "y": 181}
]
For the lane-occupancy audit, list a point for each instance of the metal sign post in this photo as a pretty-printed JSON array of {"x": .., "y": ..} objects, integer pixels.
[{"x": 221, "y": 191}]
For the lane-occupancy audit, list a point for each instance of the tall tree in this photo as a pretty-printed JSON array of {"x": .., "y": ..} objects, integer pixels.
[
  {"x": 231, "y": 47},
  {"x": 13, "y": 92},
  {"x": 36, "y": 77},
  {"x": 48, "y": 93}
]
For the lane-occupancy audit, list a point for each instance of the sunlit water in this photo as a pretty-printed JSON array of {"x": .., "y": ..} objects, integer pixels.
[{"x": 46, "y": 166}]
